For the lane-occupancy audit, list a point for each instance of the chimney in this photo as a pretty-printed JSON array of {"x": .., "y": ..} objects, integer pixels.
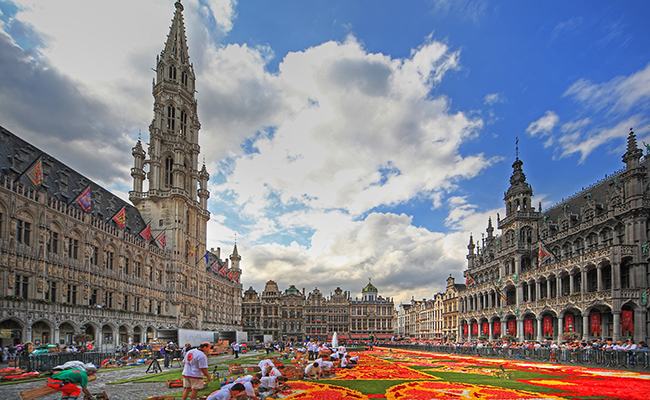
[{"x": 303, "y": 291}]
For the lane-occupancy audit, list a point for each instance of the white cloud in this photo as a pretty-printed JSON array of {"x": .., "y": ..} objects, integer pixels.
[
  {"x": 611, "y": 108},
  {"x": 545, "y": 125},
  {"x": 493, "y": 98},
  {"x": 619, "y": 95},
  {"x": 339, "y": 132}
]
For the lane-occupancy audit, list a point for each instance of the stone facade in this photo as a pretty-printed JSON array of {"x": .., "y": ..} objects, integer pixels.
[
  {"x": 430, "y": 319},
  {"x": 577, "y": 269},
  {"x": 292, "y": 315},
  {"x": 67, "y": 267}
]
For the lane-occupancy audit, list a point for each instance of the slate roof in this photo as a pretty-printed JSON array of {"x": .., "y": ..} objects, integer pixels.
[{"x": 62, "y": 182}]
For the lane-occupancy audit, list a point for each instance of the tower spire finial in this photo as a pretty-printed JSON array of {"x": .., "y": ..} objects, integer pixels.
[{"x": 517, "y": 148}]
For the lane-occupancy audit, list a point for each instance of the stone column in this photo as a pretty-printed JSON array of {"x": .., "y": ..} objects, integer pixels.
[
  {"x": 504, "y": 326},
  {"x": 55, "y": 335},
  {"x": 540, "y": 329},
  {"x": 560, "y": 329},
  {"x": 585, "y": 326},
  {"x": 559, "y": 290},
  {"x": 530, "y": 293},
  {"x": 616, "y": 335},
  {"x": 520, "y": 329},
  {"x": 518, "y": 264},
  {"x": 469, "y": 332},
  {"x": 548, "y": 289},
  {"x": 639, "y": 328},
  {"x": 519, "y": 290},
  {"x": 571, "y": 285},
  {"x": 491, "y": 331},
  {"x": 583, "y": 281},
  {"x": 599, "y": 272}
]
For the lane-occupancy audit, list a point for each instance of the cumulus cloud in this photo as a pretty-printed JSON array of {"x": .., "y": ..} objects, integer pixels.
[
  {"x": 337, "y": 133},
  {"x": 611, "y": 107},
  {"x": 545, "y": 125}
]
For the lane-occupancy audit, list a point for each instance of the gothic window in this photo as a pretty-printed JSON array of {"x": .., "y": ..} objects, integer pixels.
[
  {"x": 172, "y": 72},
  {"x": 184, "y": 78},
  {"x": 510, "y": 237},
  {"x": 73, "y": 247},
  {"x": 21, "y": 286},
  {"x": 564, "y": 225},
  {"x": 137, "y": 268},
  {"x": 526, "y": 235},
  {"x": 183, "y": 121},
  {"x": 127, "y": 265},
  {"x": 94, "y": 254},
  {"x": 625, "y": 275},
  {"x": 606, "y": 237},
  {"x": 171, "y": 118},
  {"x": 620, "y": 232},
  {"x": 50, "y": 291},
  {"x": 53, "y": 243},
  {"x": 110, "y": 258},
  {"x": 169, "y": 173},
  {"x": 23, "y": 231},
  {"x": 72, "y": 294},
  {"x": 579, "y": 245}
]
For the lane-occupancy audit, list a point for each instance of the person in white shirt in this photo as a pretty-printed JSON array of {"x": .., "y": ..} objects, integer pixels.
[
  {"x": 354, "y": 360},
  {"x": 275, "y": 371},
  {"x": 248, "y": 378},
  {"x": 195, "y": 367},
  {"x": 227, "y": 392},
  {"x": 346, "y": 363},
  {"x": 272, "y": 383},
  {"x": 314, "y": 370},
  {"x": 265, "y": 363}
]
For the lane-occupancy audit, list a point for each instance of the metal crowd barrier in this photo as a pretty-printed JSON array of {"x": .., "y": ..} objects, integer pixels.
[
  {"x": 634, "y": 359},
  {"x": 45, "y": 362}
]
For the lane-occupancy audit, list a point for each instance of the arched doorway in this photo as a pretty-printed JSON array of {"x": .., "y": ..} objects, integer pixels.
[
  {"x": 137, "y": 335},
  {"x": 41, "y": 333},
  {"x": 150, "y": 334},
  {"x": 66, "y": 333},
  {"x": 107, "y": 336},
  {"x": 11, "y": 332},
  {"x": 124, "y": 335}
]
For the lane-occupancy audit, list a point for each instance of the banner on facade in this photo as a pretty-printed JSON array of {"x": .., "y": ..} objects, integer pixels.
[
  {"x": 595, "y": 324},
  {"x": 569, "y": 323},
  {"x": 528, "y": 326},
  {"x": 486, "y": 328},
  {"x": 627, "y": 321},
  {"x": 475, "y": 329},
  {"x": 497, "y": 328},
  {"x": 512, "y": 327},
  {"x": 465, "y": 329},
  {"x": 548, "y": 326}
]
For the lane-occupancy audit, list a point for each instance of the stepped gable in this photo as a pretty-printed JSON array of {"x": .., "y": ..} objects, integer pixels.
[{"x": 60, "y": 181}]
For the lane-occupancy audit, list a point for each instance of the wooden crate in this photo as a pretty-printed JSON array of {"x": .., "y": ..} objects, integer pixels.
[
  {"x": 172, "y": 383},
  {"x": 235, "y": 369},
  {"x": 253, "y": 369}
]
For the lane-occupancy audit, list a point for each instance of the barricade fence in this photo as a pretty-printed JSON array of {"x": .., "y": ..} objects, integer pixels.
[
  {"x": 45, "y": 362},
  {"x": 632, "y": 359}
]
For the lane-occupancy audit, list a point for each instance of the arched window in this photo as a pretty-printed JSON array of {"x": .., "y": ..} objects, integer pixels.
[
  {"x": 172, "y": 72},
  {"x": 183, "y": 121},
  {"x": 184, "y": 78},
  {"x": 171, "y": 118},
  {"x": 169, "y": 174}
]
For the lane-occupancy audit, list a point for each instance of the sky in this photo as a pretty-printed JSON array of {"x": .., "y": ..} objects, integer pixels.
[{"x": 346, "y": 140}]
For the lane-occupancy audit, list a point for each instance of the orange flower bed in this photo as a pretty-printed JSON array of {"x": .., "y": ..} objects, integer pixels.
[
  {"x": 564, "y": 381},
  {"x": 383, "y": 372}
]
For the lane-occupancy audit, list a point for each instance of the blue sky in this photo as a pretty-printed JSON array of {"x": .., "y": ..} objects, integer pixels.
[{"x": 345, "y": 140}]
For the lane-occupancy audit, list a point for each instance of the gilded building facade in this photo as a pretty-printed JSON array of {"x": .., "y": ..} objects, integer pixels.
[
  {"x": 578, "y": 269},
  {"x": 303, "y": 316},
  {"x": 76, "y": 259}
]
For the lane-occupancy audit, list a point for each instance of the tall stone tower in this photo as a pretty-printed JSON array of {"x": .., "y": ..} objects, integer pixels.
[{"x": 175, "y": 200}]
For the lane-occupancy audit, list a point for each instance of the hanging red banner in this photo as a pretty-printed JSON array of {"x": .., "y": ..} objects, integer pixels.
[
  {"x": 496, "y": 327},
  {"x": 627, "y": 322},
  {"x": 486, "y": 328},
  {"x": 595, "y": 324},
  {"x": 569, "y": 323},
  {"x": 548, "y": 326},
  {"x": 512, "y": 327},
  {"x": 475, "y": 329},
  {"x": 528, "y": 326},
  {"x": 465, "y": 329}
]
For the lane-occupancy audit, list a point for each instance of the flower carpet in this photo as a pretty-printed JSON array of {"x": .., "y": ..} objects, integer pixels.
[{"x": 411, "y": 375}]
